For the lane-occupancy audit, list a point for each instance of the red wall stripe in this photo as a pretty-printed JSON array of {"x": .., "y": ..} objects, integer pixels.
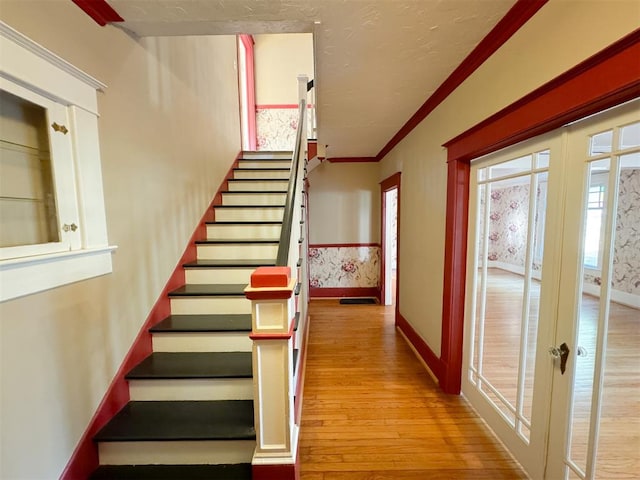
[
  {"x": 515, "y": 18},
  {"x": 606, "y": 79},
  {"x": 85, "y": 457},
  {"x": 101, "y": 12}
]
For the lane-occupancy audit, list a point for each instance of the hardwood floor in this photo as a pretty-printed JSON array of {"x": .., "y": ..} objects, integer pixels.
[
  {"x": 372, "y": 412},
  {"x": 618, "y": 449}
]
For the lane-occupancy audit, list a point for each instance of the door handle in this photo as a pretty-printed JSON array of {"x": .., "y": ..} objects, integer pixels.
[{"x": 561, "y": 352}]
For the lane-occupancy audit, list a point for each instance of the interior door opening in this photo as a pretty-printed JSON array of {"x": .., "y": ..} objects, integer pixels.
[
  {"x": 391, "y": 242},
  {"x": 389, "y": 274}
]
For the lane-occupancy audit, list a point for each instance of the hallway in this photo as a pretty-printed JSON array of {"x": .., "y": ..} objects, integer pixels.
[{"x": 372, "y": 412}]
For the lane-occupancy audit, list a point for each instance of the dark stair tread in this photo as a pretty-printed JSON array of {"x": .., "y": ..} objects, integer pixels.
[
  {"x": 180, "y": 421},
  {"x": 298, "y": 288},
  {"x": 240, "y": 263},
  {"x": 296, "y": 322},
  {"x": 209, "y": 290},
  {"x": 242, "y": 241},
  {"x": 175, "y": 365},
  {"x": 241, "y": 471},
  {"x": 238, "y": 322}
]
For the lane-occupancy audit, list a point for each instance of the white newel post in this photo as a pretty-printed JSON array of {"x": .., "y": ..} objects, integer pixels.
[{"x": 271, "y": 292}]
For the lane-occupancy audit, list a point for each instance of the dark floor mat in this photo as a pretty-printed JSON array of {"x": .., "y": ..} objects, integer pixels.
[{"x": 358, "y": 301}]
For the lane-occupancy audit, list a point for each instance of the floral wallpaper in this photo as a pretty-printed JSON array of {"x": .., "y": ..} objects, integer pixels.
[
  {"x": 626, "y": 248},
  {"x": 508, "y": 219},
  {"x": 344, "y": 267},
  {"x": 276, "y": 128},
  {"x": 508, "y": 230}
]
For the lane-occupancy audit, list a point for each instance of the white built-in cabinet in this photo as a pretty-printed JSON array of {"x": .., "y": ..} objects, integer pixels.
[{"x": 52, "y": 214}]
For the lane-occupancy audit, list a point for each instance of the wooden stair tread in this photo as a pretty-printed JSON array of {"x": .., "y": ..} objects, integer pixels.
[
  {"x": 237, "y": 322},
  {"x": 239, "y": 263},
  {"x": 180, "y": 421},
  {"x": 209, "y": 290},
  {"x": 182, "y": 365},
  {"x": 241, "y": 471}
]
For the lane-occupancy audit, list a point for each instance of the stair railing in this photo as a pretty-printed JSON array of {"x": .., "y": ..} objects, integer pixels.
[{"x": 279, "y": 297}]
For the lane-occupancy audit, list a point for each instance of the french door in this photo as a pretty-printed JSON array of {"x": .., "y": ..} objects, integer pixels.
[{"x": 552, "y": 342}]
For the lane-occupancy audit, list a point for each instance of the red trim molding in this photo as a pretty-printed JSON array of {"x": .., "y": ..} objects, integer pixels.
[
  {"x": 84, "y": 459},
  {"x": 455, "y": 260},
  {"x": 515, "y": 18},
  {"x": 101, "y": 12},
  {"x": 575, "y": 94},
  {"x": 607, "y": 79},
  {"x": 280, "y": 106},
  {"x": 312, "y": 149},
  {"x": 319, "y": 292},
  {"x": 352, "y": 159},
  {"x": 270, "y": 294},
  {"x": 270, "y": 277},
  {"x": 423, "y": 350},
  {"x": 276, "y": 472},
  {"x": 275, "y": 336}
]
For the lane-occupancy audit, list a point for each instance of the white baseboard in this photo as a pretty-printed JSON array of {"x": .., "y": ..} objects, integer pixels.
[{"x": 623, "y": 298}]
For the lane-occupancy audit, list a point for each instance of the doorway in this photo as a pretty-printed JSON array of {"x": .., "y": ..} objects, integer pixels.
[
  {"x": 551, "y": 348},
  {"x": 390, "y": 193},
  {"x": 247, "y": 92}
]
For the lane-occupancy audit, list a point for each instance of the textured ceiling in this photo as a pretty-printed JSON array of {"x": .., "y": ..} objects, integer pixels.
[{"x": 377, "y": 61}]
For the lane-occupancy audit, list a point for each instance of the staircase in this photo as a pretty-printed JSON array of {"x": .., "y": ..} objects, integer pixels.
[{"x": 191, "y": 414}]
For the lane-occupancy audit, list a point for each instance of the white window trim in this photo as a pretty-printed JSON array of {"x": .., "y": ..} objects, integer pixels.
[{"x": 32, "y": 66}]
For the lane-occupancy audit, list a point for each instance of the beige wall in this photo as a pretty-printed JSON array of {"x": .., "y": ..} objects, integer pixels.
[
  {"x": 344, "y": 203},
  {"x": 561, "y": 34},
  {"x": 169, "y": 131},
  {"x": 279, "y": 59}
]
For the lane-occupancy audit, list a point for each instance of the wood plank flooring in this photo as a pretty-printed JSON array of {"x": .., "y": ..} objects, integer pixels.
[
  {"x": 618, "y": 449},
  {"x": 372, "y": 412}
]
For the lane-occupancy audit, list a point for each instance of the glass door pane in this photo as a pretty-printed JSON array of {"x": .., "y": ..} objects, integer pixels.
[
  {"x": 38, "y": 204},
  {"x": 601, "y": 404},
  {"x": 508, "y": 217},
  {"x": 27, "y": 198}
]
